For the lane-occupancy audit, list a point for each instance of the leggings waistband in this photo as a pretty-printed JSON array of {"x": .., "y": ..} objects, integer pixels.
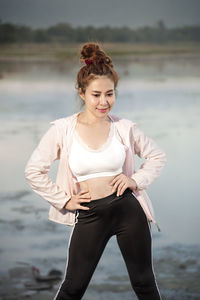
[{"x": 106, "y": 199}]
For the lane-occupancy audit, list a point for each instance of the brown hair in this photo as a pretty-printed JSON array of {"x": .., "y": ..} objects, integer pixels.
[{"x": 97, "y": 63}]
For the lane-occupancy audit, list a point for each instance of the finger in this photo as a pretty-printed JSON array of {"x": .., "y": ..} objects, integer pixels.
[
  {"x": 115, "y": 179},
  {"x": 86, "y": 196},
  {"x": 84, "y": 200},
  {"x": 116, "y": 185},
  {"x": 83, "y": 207},
  {"x": 83, "y": 192},
  {"x": 121, "y": 189},
  {"x": 114, "y": 188},
  {"x": 112, "y": 182}
]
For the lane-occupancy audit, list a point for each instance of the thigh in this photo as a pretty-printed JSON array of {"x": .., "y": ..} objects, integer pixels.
[
  {"x": 86, "y": 246},
  {"x": 134, "y": 237}
]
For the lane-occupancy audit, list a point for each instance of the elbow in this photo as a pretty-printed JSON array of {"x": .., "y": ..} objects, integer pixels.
[
  {"x": 27, "y": 175},
  {"x": 30, "y": 173},
  {"x": 164, "y": 157}
]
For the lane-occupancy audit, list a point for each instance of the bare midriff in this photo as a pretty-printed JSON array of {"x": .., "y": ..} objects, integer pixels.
[{"x": 98, "y": 187}]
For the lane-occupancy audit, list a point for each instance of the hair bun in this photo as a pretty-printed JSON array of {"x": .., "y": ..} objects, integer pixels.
[
  {"x": 92, "y": 51},
  {"x": 89, "y": 50}
]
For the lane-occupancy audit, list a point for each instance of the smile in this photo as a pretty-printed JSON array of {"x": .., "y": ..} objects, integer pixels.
[{"x": 103, "y": 109}]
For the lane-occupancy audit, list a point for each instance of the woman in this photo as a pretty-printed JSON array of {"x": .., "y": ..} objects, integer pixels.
[{"x": 97, "y": 190}]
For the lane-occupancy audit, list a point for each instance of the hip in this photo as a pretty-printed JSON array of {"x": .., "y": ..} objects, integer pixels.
[{"x": 111, "y": 207}]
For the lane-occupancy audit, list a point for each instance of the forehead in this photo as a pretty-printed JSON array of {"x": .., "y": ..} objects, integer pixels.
[{"x": 101, "y": 83}]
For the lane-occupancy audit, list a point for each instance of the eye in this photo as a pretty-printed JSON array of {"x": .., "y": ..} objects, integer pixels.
[
  {"x": 110, "y": 95},
  {"x": 96, "y": 95}
]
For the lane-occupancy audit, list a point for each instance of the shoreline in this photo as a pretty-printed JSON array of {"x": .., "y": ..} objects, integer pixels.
[
  {"x": 67, "y": 52},
  {"x": 176, "y": 268}
]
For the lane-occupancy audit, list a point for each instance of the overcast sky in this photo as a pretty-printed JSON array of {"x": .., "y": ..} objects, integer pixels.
[{"x": 132, "y": 13}]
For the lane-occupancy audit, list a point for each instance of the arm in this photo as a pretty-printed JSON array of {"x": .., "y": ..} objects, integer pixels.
[
  {"x": 155, "y": 157},
  {"x": 38, "y": 166}
]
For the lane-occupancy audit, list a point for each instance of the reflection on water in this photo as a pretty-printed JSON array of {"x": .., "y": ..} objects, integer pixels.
[{"x": 161, "y": 95}]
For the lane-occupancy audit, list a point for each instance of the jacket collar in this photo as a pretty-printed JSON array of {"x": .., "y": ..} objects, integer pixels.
[{"x": 75, "y": 115}]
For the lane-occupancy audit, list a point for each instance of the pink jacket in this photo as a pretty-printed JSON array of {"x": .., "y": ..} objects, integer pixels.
[{"x": 55, "y": 144}]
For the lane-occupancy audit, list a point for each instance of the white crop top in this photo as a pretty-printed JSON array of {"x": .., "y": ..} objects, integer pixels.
[{"x": 86, "y": 162}]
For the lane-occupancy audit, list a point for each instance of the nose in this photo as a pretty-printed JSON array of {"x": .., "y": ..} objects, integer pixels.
[{"x": 103, "y": 100}]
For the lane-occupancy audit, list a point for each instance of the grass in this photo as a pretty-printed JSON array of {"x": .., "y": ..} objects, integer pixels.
[{"x": 70, "y": 51}]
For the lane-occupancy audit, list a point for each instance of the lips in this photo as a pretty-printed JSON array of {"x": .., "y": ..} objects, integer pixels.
[{"x": 103, "y": 109}]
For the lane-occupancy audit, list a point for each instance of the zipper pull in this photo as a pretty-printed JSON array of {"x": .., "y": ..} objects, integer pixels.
[{"x": 158, "y": 227}]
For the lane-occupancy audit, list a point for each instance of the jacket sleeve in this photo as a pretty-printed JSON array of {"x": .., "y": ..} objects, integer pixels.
[
  {"x": 155, "y": 158},
  {"x": 38, "y": 166}
]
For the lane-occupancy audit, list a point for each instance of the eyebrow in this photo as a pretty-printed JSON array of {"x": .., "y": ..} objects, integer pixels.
[{"x": 100, "y": 92}]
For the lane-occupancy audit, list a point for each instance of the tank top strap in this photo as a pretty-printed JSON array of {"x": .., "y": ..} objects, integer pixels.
[{"x": 116, "y": 134}]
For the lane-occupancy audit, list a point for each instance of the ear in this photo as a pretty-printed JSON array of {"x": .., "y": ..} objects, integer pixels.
[{"x": 81, "y": 94}]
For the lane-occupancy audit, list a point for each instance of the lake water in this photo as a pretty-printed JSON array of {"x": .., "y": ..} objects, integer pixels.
[{"x": 161, "y": 94}]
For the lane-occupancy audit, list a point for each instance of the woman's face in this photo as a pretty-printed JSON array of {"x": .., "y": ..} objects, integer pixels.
[{"x": 99, "y": 96}]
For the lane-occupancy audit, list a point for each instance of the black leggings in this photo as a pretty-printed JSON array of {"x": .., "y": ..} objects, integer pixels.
[{"x": 124, "y": 217}]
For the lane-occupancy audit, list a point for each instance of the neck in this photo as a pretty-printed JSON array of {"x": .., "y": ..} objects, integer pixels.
[{"x": 90, "y": 119}]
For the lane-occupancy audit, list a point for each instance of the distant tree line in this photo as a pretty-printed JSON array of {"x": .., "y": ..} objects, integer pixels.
[{"x": 65, "y": 33}]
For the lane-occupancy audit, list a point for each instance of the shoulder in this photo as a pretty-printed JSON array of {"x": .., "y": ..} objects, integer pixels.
[
  {"x": 61, "y": 126},
  {"x": 62, "y": 122},
  {"x": 122, "y": 122}
]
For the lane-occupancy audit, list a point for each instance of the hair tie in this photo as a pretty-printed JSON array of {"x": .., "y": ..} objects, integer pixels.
[{"x": 88, "y": 61}]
